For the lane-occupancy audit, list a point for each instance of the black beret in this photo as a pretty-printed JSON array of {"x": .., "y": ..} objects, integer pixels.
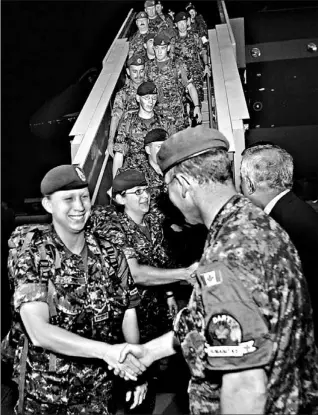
[
  {"x": 136, "y": 59},
  {"x": 146, "y": 88},
  {"x": 141, "y": 15},
  {"x": 161, "y": 39},
  {"x": 157, "y": 134},
  {"x": 149, "y": 36},
  {"x": 127, "y": 180},
  {"x": 65, "y": 177},
  {"x": 189, "y": 6},
  {"x": 149, "y": 3},
  {"x": 181, "y": 16},
  {"x": 189, "y": 143}
]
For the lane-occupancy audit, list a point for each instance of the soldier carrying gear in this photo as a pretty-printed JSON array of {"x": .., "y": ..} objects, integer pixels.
[
  {"x": 197, "y": 23},
  {"x": 136, "y": 42},
  {"x": 125, "y": 99},
  {"x": 129, "y": 142},
  {"x": 189, "y": 48},
  {"x": 74, "y": 301},
  {"x": 172, "y": 80}
]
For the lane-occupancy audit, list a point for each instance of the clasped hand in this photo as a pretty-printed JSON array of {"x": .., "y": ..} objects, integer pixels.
[{"x": 128, "y": 367}]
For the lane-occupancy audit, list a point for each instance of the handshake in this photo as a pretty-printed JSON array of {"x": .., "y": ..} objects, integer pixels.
[
  {"x": 127, "y": 360},
  {"x": 131, "y": 360}
]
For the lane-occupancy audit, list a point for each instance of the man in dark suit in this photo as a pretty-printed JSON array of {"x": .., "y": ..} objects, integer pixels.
[{"x": 267, "y": 180}]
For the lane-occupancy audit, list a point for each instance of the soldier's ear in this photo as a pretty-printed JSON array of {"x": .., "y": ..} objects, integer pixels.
[
  {"x": 145, "y": 45},
  {"x": 168, "y": 48},
  {"x": 128, "y": 71},
  {"x": 137, "y": 98},
  {"x": 46, "y": 203},
  {"x": 147, "y": 149},
  {"x": 120, "y": 199}
]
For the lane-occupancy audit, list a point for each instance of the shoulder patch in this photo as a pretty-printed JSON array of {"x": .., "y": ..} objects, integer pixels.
[{"x": 212, "y": 274}]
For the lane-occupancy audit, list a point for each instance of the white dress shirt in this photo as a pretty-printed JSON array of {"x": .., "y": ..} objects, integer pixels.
[{"x": 268, "y": 208}]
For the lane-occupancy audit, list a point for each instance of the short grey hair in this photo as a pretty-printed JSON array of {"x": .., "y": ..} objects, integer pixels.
[
  {"x": 268, "y": 166},
  {"x": 212, "y": 166}
]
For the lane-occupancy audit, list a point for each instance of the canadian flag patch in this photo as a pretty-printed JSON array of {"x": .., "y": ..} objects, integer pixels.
[{"x": 212, "y": 278}]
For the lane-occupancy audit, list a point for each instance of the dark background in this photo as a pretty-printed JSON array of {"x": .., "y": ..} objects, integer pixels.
[{"x": 48, "y": 45}]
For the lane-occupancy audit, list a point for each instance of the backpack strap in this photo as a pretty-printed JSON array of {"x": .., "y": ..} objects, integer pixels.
[
  {"x": 112, "y": 256},
  {"x": 44, "y": 268},
  {"x": 24, "y": 356}
]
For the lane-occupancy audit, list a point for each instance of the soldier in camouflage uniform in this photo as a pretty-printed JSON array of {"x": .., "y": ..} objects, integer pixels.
[
  {"x": 141, "y": 239},
  {"x": 188, "y": 47},
  {"x": 160, "y": 205},
  {"x": 129, "y": 143},
  {"x": 150, "y": 53},
  {"x": 140, "y": 236},
  {"x": 247, "y": 333},
  {"x": 153, "y": 174},
  {"x": 136, "y": 43},
  {"x": 171, "y": 79},
  {"x": 72, "y": 305},
  {"x": 197, "y": 23},
  {"x": 155, "y": 22},
  {"x": 125, "y": 99}
]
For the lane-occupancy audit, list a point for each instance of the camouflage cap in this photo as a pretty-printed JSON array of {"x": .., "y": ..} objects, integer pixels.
[
  {"x": 149, "y": 36},
  {"x": 141, "y": 15},
  {"x": 127, "y": 180},
  {"x": 64, "y": 177},
  {"x": 181, "y": 16},
  {"x": 189, "y": 143},
  {"x": 157, "y": 134},
  {"x": 146, "y": 88},
  {"x": 161, "y": 39},
  {"x": 136, "y": 59},
  {"x": 149, "y": 3}
]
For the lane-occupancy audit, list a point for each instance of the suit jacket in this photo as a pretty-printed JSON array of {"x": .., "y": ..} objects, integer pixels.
[{"x": 300, "y": 221}]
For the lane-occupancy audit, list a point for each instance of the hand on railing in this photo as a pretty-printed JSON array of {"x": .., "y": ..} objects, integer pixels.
[
  {"x": 110, "y": 147},
  {"x": 207, "y": 71}
]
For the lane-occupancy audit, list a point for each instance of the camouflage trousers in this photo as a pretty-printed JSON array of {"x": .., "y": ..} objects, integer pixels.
[
  {"x": 198, "y": 83},
  {"x": 204, "y": 397},
  {"x": 174, "y": 116},
  {"x": 91, "y": 408},
  {"x": 153, "y": 315},
  {"x": 74, "y": 399}
]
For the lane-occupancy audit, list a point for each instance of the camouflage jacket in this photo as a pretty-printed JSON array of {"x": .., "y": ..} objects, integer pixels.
[
  {"x": 130, "y": 138},
  {"x": 157, "y": 24},
  {"x": 90, "y": 298},
  {"x": 158, "y": 189},
  {"x": 250, "y": 308},
  {"x": 199, "y": 26},
  {"x": 171, "y": 79},
  {"x": 125, "y": 100},
  {"x": 188, "y": 49},
  {"x": 136, "y": 44},
  {"x": 148, "y": 248}
]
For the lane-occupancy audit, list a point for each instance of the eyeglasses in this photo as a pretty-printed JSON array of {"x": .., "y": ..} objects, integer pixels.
[{"x": 137, "y": 192}]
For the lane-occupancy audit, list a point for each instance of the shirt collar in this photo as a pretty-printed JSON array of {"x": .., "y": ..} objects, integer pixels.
[{"x": 268, "y": 208}]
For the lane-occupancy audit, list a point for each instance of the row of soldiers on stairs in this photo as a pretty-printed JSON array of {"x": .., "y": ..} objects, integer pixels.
[{"x": 166, "y": 66}]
